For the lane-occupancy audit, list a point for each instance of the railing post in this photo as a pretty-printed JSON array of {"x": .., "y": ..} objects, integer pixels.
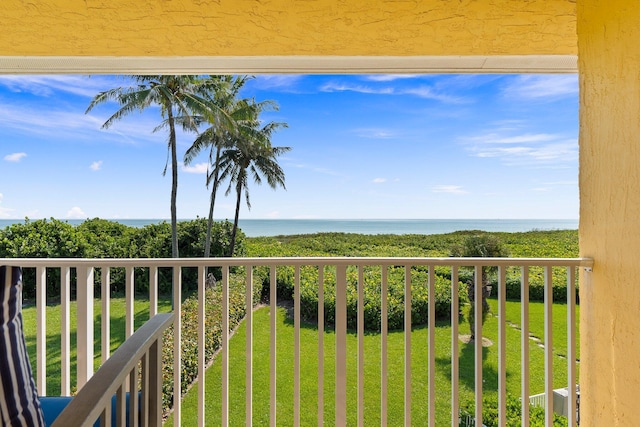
[
  {"x": 106, "y": 313},
  {"x": 155, "y": 383},
  {"x": 296, "y": 347},
  {"x": 248, "y": 320},
  {"x": 384, "y": 330},
  {"x": 432, "y": 346},
  {"x": 273, "y": 363},
  {"x": 548, "y": 345},
  {"x": 65, "y": 330},
  {"x": 129, "y": 301},
  {"x": 571, "y": 346},
  {"x": 477, "y": 324},
  {"x": 502, "y": 350},
  {"x": 341, "y": 345},
  {"x": 225, "y": 347},
  {"x": 524, "y": 344},
  {"x": 361, "y": 346},
  {"x": 41, "y": 334},
  {"x": 407, "y": 345},
  {"x": 84, "y": 293},
  {"x": 455, "y": 361},
  {"x": 177, "y": 346},
  {"x": 202, "y": 301},
  {"x": 320, "y": 343}
]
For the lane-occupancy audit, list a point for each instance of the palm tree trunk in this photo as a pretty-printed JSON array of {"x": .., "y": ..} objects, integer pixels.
[
  {"x": 235, "y": 219},
  {"x": 207, "y": 242},
  {"x": 174, "y": 183}
]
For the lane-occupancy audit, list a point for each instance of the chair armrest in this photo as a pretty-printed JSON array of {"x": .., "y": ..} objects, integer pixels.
[{"x": 93, "y": 401}]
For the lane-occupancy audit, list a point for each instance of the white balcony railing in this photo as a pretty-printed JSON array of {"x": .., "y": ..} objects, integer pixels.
[{"x": 85, "y": 269}]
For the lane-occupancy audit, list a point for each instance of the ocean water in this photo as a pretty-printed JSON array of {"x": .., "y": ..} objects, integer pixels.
[{"x": 277, "y": 227}]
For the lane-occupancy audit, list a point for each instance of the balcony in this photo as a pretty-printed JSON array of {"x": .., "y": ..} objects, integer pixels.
[{"x": 337, "y": 383}]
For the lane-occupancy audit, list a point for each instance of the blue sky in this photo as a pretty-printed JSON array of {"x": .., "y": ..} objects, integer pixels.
[{"x": 363, "y": 147}]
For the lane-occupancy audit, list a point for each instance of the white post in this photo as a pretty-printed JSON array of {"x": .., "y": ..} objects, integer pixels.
[
  {"x": 85, "y": 324},
  {"x": 41, "y": 333}
]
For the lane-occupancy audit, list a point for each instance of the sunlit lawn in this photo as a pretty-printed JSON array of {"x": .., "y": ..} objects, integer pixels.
[
  {"x": 309, "y": 365},
  {"x": 419, "y": 377}
]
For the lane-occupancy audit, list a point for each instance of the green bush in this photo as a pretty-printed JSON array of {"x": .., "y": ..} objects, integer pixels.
[
  {"x": 212, "y": 330},
  {"x": 98, "y": 238},
  {"x": 372, "y": 295},
  {"x": 536, "y": 289},
  {"x": 513, "y": 415}
]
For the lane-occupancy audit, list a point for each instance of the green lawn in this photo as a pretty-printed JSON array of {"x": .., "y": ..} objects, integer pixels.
[
  {"x": 309, "y": 361},
  {"x": 309, "y": 365},
  {"x": 53, "y": 313},
  {"x": 536, "y": 322}
]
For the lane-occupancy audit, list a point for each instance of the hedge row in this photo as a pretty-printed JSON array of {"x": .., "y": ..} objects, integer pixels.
[
  {"x": 372, "y": 295},
  {"x": 99, "y": 238},
  {"x": 212, "y": 331},
  {"x": 514, "y": 413}
]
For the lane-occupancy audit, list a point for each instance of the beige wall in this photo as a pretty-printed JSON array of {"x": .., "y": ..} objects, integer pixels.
[
  {"x": 286, "y": 27},
  {"x": 609, "y": 63}
]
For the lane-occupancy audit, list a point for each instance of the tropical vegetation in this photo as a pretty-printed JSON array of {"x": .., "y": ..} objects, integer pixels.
[
  {"x": 101, "y": 238},
  {"x": 242, "y": 145}
]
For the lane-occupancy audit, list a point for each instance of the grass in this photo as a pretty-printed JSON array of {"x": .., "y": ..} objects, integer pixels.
[
  {"x": 53, "y": 340},
  {"x": 309, "y": 369},
  {"x": 309, "y": 365},
  {"x": 536, "y": 322}
]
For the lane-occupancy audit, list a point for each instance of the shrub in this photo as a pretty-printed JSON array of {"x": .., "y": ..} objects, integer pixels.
[
  {"x": 98, "y": 238},
  {"x": 212, "y": 329},
  {"x": 372, "y": 295},
  {"x": 513, "y": 415},
  {"x": 536, "y": 289}
]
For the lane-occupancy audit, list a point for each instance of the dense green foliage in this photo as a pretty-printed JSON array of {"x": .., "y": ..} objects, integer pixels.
[
  {"x": 553, "y": 244},
  {"x": 98, "y": 238},
  {"x": 514, "y": 413},
  {"x": 212, "y": 331}
]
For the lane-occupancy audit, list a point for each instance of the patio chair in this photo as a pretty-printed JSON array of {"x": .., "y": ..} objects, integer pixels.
[{"x": 103, "y": 400}]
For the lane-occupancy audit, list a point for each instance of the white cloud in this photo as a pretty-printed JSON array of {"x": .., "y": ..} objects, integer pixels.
[
  {"x": 15, "y": 157},
  {"x": 451, "y": 189},
  {"x": 496, "y": 138},
  {"x": 75, "y": 213},
  {"x": 423, "y": 91},
  {"x": 390, "y": 77},
  {"x": 77, "y": 125},
  {"x": 280, "y": 82},
  {"x": 273, "y": 214},
  {"x": 96, "y": 166},
  {"x": 48, "y": 85},
  {"x": 542, "y": 86},
  {"x": 532, "y": 149},
  {"x": 379, "y": 180},
  {"x": 200, "y": 168},
  {"x": 375, "y": 133},
  {"x": 554, "y": 153},
  {"x": 342, "y": 87}
]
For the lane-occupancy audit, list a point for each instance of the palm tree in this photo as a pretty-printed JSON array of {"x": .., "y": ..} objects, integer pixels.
[
  {"x": 252, "y": 156},
  {"x": 223, "y": 90},
  {"x": 180, "y": 103},
  {"x": 481, "y": 245}
]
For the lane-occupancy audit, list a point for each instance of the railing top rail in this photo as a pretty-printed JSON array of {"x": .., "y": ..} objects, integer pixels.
[{"x": 302, "y": 261}]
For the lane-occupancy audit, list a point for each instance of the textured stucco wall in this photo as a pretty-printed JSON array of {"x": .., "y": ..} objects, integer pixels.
[
  {"x": 609, "y": 63},
  {"x": 287, "y": 27}
]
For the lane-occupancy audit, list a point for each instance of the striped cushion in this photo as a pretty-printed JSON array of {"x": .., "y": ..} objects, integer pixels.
[{"x": 19, "y": 405}]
